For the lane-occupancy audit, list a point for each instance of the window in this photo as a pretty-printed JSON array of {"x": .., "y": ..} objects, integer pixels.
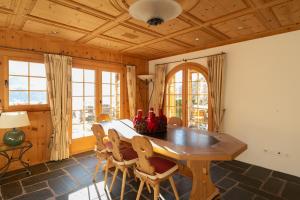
[
  {"x": 187, "y": 95},
  {"x": 111, "y": 94},
  {"x": 174, "y": 96},
  {"x": 27, "y": 83},
  {"x": 83, "y": 102}
]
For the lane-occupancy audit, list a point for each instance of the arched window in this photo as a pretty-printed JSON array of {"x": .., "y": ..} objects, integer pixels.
[{"x": 187, "y": 95}]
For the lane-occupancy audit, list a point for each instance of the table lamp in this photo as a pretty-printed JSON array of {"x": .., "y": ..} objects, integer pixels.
[{"x": 14, "y": 120}]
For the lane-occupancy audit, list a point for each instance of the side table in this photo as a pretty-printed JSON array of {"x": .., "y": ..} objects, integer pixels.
[{"x": 22, "y": 149}]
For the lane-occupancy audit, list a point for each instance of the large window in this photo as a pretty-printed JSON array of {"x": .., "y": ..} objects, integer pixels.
[
  {"x": 187, "y": 95},
  {"x": 83, "y": 102},
  {"x": 27, "y": 83},
  {"x": 110, "y": 94}
]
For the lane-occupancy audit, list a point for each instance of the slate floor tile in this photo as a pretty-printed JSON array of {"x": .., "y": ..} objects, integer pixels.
[
  {"x": 239, "y": 164},
  {"x": 35, "y": 187},
  {"x": 237, "y": 193},
  {"x": 245, "y": 179},
  {"x": 226, "y": 183},
  {"x": 258, "y": 173},
  {"x": 218, "y": 173},
  {"x": 259, "y": 192},
  {"x": 286, "y": 177},
  {"x": 229, "y": 167},
  {"x": 273, "y": 185},
  {"x": 80, "y": 174},
  {"x": 62, "y": 184},
  {"x": 183, "y": 187},
  {"x": 53, "y": 165},
  {"x": 291, "y": 191},
  {"x": 11, "y": 190},
  {"x": 42, "y": 177},
  {"x": 38, "y": 195}
]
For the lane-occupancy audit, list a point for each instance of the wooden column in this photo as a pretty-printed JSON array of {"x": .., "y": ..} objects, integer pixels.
[{"x": 203, "y": 188}]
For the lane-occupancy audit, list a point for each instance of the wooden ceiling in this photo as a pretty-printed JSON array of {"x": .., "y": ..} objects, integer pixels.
[{"x": 107, "y": 24}]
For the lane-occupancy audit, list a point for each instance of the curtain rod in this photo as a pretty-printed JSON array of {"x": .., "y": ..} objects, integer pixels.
[
  {"x": 185, "y": 60},
  {"x": 45, "y": 52}
]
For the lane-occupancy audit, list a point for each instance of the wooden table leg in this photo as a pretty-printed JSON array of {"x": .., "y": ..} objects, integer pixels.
[{"x": 203, "y": 188}]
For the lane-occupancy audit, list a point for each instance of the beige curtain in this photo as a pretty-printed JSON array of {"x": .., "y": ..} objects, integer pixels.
[
  {"x": 215, "y": 79},
  {"x": 159, "y": 87},
  {"x": 58, "y": 69},
  {"x": 131, "y": 87}
]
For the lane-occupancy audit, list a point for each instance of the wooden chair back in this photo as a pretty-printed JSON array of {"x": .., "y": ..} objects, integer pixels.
[
  {"x": 115, "y": 140},
  {"x": 99, "y": 133},
  {"x": 175, "y": 121},
  {"x": 104, "y": 118},
  {"x": 144, "y": 149}
]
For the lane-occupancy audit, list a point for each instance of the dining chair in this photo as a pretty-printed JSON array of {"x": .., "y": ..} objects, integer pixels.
[
  {"x": 122, "y": 158},
  {"x": 152, "y": 169},
  {"x": 176, "y": 121},
  {"x": 103, "y": 150}
]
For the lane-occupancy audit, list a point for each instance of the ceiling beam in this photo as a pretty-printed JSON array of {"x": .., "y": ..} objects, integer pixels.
[
  {"x": 103, "y": 28},
  {"x": 22, "y": 8},
  {"x": 208, "y": 23}
]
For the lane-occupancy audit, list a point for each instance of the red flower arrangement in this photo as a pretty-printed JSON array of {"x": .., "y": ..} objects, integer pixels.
[{"x": 150, "y": 124}]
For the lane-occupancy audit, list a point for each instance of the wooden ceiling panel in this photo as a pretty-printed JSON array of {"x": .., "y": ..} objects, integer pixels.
[
  {"x": 7, "y": 4},
  {"x": 196, "y": 38},
  {"x": 166, "y": 46},
  {"x": 169, "y": 27},
  {"x": 105, "y": 6},
  {"x": 61, "y": 14},
  {"x": 3, "y": 20},
  {"x": 108, "y": 44},
  {"x": 50, "y": 30},
  {"x": 207, "y": 10},
  {"x": 241, "y": 26},
  {"x": 123, "y": 33},
  {"x": 288, "y": 13}
]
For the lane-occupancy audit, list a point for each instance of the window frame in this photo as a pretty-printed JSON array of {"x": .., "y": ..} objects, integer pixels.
[
  {"x": 25, "y": 107},
  {"x": 185, "y": 67}
]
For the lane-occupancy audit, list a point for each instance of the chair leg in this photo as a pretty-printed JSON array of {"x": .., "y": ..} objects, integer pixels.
[
  {"x": 96, "y": 169},
  {"x": 106, "y": 172},
  {"x": 156, "y": 191},
  {"x": 114, "y": 178},
  {"x": 174, "y": 187},
  {"x": 148, "y": 187},
  {"x": 140, "y": 190},
  {"x": 123, "y": 183}
]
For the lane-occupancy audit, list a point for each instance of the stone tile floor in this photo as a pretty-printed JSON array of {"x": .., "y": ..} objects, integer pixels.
[{"x": 72, "y": 179}]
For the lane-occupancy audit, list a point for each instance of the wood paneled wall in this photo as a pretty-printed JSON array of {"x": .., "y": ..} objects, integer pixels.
[{"x": 40, "y": 130}]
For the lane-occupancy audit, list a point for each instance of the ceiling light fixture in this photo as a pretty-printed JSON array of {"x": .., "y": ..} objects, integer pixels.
[{"x": 155, "y": 12}]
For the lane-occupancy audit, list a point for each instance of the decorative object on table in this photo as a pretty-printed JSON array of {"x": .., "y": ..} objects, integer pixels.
[
  {"x": 14, "y": 120},
  {"x": 150, "y": 125},
  {"x": 155, "y": 12},
  {"x": 22, "y": 148},
  {"x": 139, "y": 122},
  {"x": 151, "y": 121},
  {"x": 161, "y": 121}
]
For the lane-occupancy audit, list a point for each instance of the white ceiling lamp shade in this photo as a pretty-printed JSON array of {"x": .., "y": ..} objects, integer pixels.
[{"x": 155, "y": 12}]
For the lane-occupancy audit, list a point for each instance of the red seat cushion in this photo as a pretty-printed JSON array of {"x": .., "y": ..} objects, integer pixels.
[
  {"x": 161, "y": 165},
  {"x": 128, "y": 154},
  {"x": 108, "y": 145}
]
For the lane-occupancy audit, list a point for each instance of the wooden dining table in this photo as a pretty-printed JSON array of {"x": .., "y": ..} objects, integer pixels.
[{"x": 196, "y": 148}]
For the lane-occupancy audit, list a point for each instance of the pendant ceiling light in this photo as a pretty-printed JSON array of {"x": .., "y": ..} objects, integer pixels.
[{"x": 155, "y": 12}]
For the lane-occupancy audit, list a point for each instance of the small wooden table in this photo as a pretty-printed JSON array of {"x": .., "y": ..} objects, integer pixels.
[
  {"x": 197, "y": 147},
  {"x": 4, "y": 149}
]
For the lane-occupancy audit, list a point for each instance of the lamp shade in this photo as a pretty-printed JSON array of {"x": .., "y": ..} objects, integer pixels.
[
  {"x": 14, "y": 119},
  {"x": 146, "y": 10}
]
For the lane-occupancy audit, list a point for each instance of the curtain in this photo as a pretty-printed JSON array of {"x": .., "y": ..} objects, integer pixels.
[
  {"x": 215, "y": 79},
  {"x": 131, "y": 87},
  {"x": 159, "y": 87},
  {"x": 58, "y": 70}
]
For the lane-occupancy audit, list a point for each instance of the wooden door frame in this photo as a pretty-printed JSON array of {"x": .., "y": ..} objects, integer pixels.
[{"x": 204, "y": 71}]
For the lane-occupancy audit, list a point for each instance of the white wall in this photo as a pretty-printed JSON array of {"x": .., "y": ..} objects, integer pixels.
[{"x": 262, "y": 98}]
